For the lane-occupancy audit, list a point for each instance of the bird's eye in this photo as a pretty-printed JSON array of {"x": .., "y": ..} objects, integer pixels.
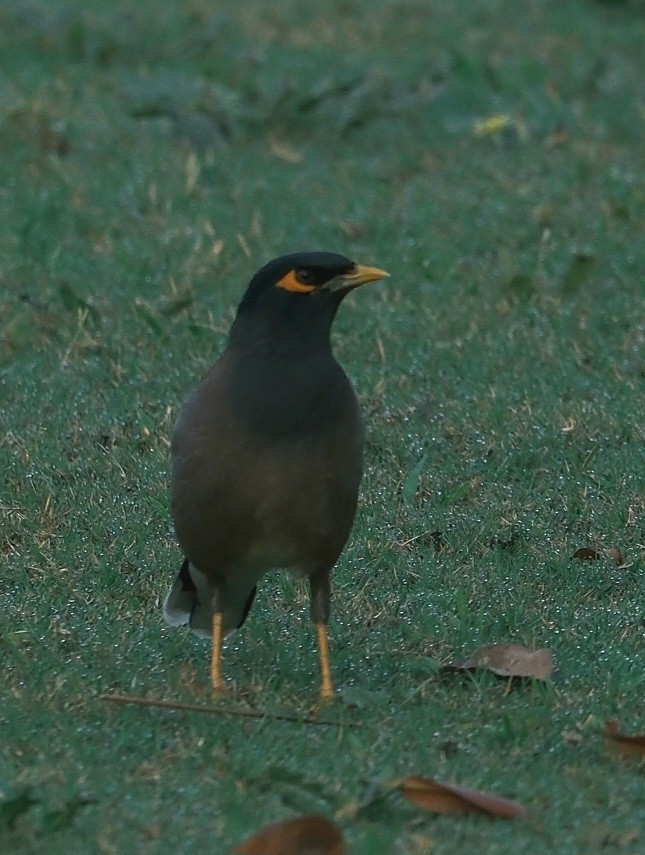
[{"x": 305, "y": 276}]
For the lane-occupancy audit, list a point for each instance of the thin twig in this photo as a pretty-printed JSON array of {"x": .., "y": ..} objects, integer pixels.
[{"x": 178, "y": 705}]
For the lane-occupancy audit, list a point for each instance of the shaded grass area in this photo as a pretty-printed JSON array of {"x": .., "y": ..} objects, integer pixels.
[{"x": 152, "y": 158}]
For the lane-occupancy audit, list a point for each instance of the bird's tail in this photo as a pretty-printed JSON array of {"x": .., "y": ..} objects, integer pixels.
[{"x": 189, "y": 602}]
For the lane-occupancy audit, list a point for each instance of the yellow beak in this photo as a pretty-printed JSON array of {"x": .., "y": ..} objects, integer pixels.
[{"x": 359, "y": 275}]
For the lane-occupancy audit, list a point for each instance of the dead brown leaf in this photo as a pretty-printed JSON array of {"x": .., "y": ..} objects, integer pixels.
[
  {"x": 586, "y": 553},
  {"x": 434, "y": 796},
  {"x": 616, "y": 554},
  {"x": 306, "y": 835},
  {"x": 628, "y": 746},
  {"x": 509, "y": 660}
]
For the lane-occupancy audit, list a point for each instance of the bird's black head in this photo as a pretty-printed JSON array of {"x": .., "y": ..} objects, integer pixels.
[
  {"x": 295, "y": 297},
  {"x": 307, "y": 273}
]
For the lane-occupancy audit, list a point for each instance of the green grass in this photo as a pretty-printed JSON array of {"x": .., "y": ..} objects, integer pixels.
[{"x": 152, "y": 157}]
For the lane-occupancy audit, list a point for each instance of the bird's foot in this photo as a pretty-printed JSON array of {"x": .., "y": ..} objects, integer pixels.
[
  {"x": 326, "y": 698},
  {"x": 327, "y": 694},
  {"x": 219, "y": 688}
]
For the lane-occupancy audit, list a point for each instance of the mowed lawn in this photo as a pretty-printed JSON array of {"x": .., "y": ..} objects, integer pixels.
[{"x": 490, "y": 156}]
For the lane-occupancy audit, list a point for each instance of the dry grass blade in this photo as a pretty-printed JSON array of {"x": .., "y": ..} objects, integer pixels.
[
  {"x": 434, "y": 796},
  {"x": 307, "y": 835},
  {"x": 628, "y": 746},
  {"x": 509, "y": 660}
]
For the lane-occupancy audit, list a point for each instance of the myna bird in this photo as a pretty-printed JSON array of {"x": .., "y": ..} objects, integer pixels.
[{"x": 267, "y": 454}]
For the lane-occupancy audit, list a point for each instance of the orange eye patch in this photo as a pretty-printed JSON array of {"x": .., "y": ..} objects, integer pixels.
[{"x": 291, "y": 283}]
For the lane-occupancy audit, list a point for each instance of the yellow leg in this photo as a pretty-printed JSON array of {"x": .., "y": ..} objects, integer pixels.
[
  {"x": 216, "y": 657},
  {"x": 326, "y": 687}
]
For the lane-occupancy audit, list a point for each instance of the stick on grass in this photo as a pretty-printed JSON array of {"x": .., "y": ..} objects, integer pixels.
[{"x": 179, "y": 705}]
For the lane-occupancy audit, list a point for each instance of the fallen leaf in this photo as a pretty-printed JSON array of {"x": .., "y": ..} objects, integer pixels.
[
  {"x": 586, "y": 553},
  {"x": 508, "y": 660},
  {"x": 306, "y": 835},
  {"x": 628, "y": 746},
  {"x": 434, "y": 796}
]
